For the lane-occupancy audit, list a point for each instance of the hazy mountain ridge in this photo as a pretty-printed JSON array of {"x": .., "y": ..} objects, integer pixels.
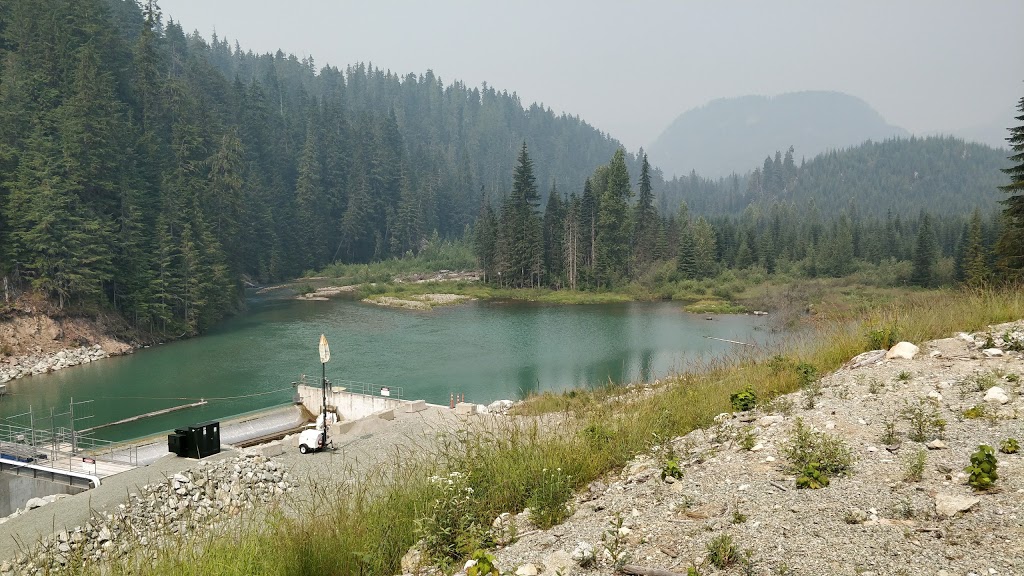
[{"x": 733, "y": 134}]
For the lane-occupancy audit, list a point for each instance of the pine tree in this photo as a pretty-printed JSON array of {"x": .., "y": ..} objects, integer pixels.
[
  {"x": 554, "y": 233},
  {"x": 485, "y": 239},
  {"x": 645, "y": 223},
  {"x": 573, "y": 241},
  {"x": 975, "y": 255},
  {"x": 613, "y": 223},
  {"x": 925, "y": 255},
  {"x": 1010, "y": 248}
]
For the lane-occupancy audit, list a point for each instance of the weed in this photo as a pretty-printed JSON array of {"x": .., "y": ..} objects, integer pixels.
[
  {"x": 982, "y": 382},
  {"x": 812, "y": 477},
  {"x": 485, "y": 564},
  {"x": 810, "y": 394},
  {"x": 904, "y": 376},
  {"x": 449, "y": 518},
  {"x": 548, "y": 503},
  {"x": 924, "y": 420},
  {"x": 671, "y": 469},
  {"x": 905, "y": 509},
  {"x": 744, "y": 400},
  {"x": 889, "y": 434},
  {"x": 1009, "y": 446},
  {"x": 806, "y": 446},
  {"x": 692, "y": 571},
  {"x": 913, "y": 467},
  {"x": 875, "y": 385},
  {"x": 747, "y": 563},
  {"x": 783, "y": 570},
  {"x": 843, "y": 393},
  {"x": 597, "y": 434},
  {"x": 806, "y": 373},
  {"x": 882, "y": 338},
  {"x": 614, "y": 541},
  {"x": 975, "y": 412},
  {"x": 738, "y": 517},
  {"x": 722, "y": 551},
  {"x": 747, "y": 438},
  {"x": 783, "y": 405},
  {"x": 1013, "y": 377},
  {"x": 982, "y": 468}
]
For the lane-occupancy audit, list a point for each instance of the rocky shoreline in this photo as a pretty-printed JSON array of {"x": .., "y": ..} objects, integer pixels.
[{"x": 32, "y": 364}]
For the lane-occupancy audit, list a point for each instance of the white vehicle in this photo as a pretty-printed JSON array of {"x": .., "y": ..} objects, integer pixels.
[{"x": 312, "y": 439}]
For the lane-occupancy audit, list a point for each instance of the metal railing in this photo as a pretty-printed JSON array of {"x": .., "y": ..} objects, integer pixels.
[
  {"x": 60, "y": 447},
  {"x": 355, "y": 387}
]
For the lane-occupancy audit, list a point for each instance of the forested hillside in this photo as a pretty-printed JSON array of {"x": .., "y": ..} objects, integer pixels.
[
  {"x": 900, "y": 176},
  {"x": 146, "y": 170}
]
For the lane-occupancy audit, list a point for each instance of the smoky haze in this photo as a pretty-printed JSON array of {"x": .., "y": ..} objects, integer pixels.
[{"x": 631, "y": 68}]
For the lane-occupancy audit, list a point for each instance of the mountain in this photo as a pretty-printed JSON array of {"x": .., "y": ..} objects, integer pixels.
[
  {"x": 732, "y": 134},
  {"x": 901, "y": 176}
]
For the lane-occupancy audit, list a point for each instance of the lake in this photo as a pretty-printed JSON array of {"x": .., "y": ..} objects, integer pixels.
[{"x": 484, "y": 350}]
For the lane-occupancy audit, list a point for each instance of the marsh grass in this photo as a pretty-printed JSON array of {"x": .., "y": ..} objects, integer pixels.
[{"x": 367, "y": 525}]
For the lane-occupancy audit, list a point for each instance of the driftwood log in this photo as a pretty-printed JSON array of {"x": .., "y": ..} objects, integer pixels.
[{"x": 643, "y": 571}]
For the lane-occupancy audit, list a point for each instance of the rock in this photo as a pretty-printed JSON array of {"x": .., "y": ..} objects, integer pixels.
[
  {"x": 583, "y": 554},
  {"x": 500, "y": 406},
  {"x": 936, "y": 445},
  {"x": 527, "y": 570},
  {"x": 465, "y": 408},
  {"x": 992, "y": 352},
  {"x": 865, "y": 359},
  {"x": 34, "y": 503},
  {"x": 766, "y": 421},
  {"x": 935, "y": 396},
  {"x": 902, "y": 350},
  {"x": 412, "y": 562},
  {"x": 996, "y": 395},
  {"x": 947, "y": 505},
  {"x": 557, "y": 561},
  {"x": 935, "y": 354}
]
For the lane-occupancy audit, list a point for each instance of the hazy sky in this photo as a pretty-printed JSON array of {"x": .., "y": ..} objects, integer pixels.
[{"x": 629, "y": 68}]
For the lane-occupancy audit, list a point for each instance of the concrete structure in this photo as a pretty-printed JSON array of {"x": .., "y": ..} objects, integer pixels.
[{"x": 348, "y": 405}]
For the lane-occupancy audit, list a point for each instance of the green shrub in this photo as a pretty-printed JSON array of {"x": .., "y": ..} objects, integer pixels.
[
  {"x": 882, "y": 338},
  {"x": 722, "y": 552},
  {"x": 812, "y": 477},
  {"x": 548, "y": 502},
  {"x": 889, "y": 433},
  {"x": 304, "y": 289},
  {"x": 744, "y": 400},
  {"x": 1009, "y": 446},
  {"x": 914, "y": 466},
  {"x": 448, "y": 527},
  {"x": 671, "y": 468},
  {"x": 975, "y": 412},
  {"x": 829, "y": 453},
  {"x": 982, "y": 468},
  {"x": 486, "y": 565},
  {"x": 924, "y": 420},
  {"x": 904, "y": 376}
]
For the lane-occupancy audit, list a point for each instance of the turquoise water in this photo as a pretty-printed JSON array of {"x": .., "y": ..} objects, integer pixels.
[{"x": 484, "y": 350}]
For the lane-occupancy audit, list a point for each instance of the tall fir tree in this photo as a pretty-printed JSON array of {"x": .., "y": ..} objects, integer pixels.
[
  {"x": 645, "y": 223},
  {"x": 614, "y": 223},
  {"x": 1010, "y": 248}
]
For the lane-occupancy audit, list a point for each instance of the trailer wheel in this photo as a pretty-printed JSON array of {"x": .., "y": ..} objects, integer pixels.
[{"x": 303, "y": 449}]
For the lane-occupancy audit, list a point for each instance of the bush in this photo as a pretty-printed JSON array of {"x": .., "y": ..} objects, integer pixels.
[
  {"x": 924, "y": 420},
  {"x": 812, "y": 477},
  {"x": 744, "y": 400},
  {"x": 882, "y": 338},
  {"x": 982, "y": 468},
  {"x": 722, "y": 551},
  {"x": 1009, "y": 446},
  {"x": 548, "y": 502},
  {"x": 914, "y": 470},
  {"x": 806, "y": 446},
  {"x": 445, "y": 527}
]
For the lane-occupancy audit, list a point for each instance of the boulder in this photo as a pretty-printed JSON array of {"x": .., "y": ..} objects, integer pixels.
[
  {"x": 902, "y": 350},
  {"x": 947, "y": 505},
  {"x": 34, "y": 503},
  {"x": 992, "y": 352},
  {"x": 583, "y": 554},
  {"x": 996, "y": 395}
]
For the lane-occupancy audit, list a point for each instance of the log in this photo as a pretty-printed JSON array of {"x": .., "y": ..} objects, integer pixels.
[{"x": 643, "y": 571}]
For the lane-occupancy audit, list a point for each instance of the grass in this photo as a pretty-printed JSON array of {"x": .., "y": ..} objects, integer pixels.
[{"x": 364, "y": 527}]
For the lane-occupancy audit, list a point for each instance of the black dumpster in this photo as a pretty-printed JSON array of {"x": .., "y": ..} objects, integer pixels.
[{"x": 177, "y": 442}]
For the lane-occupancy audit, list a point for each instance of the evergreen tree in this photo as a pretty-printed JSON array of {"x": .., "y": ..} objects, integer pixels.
[
  {"x": 645, "y": 223},
  {"x": 925, "y": 254},
  {"x": 613, "y": 223},
  {"x": 1010, "y": 249},
  {"x": 975, "y": 255},
  {"x": 573, "y": 241},
  {"x": 554, "y": 233}
]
